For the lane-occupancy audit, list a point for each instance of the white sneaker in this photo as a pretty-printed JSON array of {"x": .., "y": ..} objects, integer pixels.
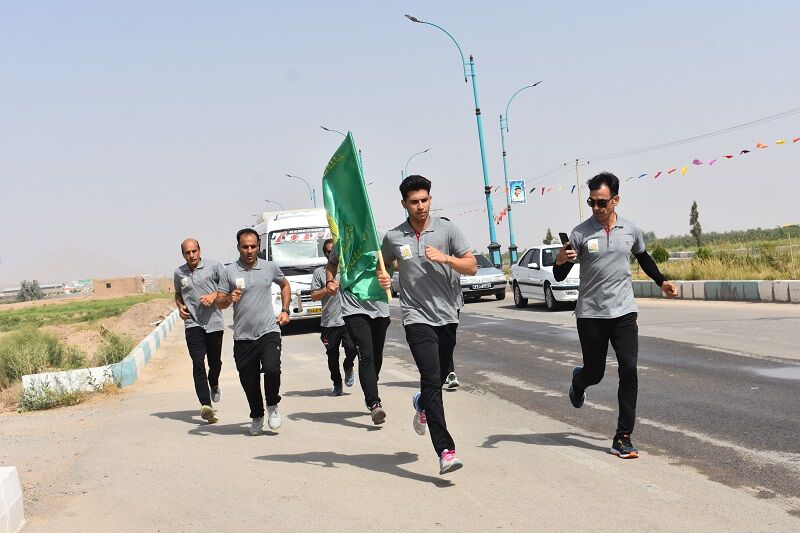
[
  {"x": 420, "y": 421},
  {"x": 216, "y": 394},
  {"x": 452, "y": 381},
  {"x": 256, "y": 426},
  {"x": 274, "y": 417},
  {"x": 448, "y": 462}
]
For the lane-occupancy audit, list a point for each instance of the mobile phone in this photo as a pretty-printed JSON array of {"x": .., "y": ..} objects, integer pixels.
[{"x": 564, "y": 238}]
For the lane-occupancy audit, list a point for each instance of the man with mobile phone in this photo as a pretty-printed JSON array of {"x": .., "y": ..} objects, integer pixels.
[{"x": 606, "y": 310}]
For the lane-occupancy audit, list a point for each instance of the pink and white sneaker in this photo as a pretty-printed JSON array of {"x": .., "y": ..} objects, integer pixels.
[
  {"x": 448, "y": 462},
  {"x": 420, "y": 421}
]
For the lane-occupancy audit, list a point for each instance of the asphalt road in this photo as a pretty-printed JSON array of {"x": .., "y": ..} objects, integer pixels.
[{"x": 728, "y": 413}]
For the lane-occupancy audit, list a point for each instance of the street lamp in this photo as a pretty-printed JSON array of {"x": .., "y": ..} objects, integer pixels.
[
  {"x": 277, "y": 203},
  {"x": 360, "y": 161},
  {"x": 312, "y": 192},
  {"x": 404, "y": 173},
  {"x": 512, "y": 246},
  {"x": 494, "y": 247}
]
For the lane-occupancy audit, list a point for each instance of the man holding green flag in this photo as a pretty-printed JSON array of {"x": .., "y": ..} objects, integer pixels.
[{"x": 356, "y": 256}]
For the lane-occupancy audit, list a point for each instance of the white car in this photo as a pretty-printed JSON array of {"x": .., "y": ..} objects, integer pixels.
[
  {"x": 532, "y": 278},
  {"x": 487, "y": 281}
]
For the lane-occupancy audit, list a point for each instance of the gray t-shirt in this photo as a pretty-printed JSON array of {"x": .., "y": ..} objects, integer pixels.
[
  {"x": 253, "y": 316},
  {"x": 331, "y": 305},
  {"x": 352, "y": 305},
  {"x": 191, "y": 285},
  {"x": 430, "y": 293},
  {"x": 606, "y": 288}
]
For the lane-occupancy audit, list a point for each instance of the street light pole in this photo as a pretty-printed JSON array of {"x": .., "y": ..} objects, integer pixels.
[
  {"x": 512, "y": 246},
  {"x": 278, "y": 204},
  {"x": 404, "y": 173},
  {"x": 494, "y": 247},
  {"x": 311, "y": 191},
  {"x": 360, "y": 160}
]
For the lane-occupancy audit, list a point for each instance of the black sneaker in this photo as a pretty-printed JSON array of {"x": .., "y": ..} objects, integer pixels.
[
  {"x": 577, "y": 402},
  {"x": 349, "y": 377},
  {"x": 337, "y": 390},
  {"x": 623, "y": 448},
  {"x": 377, "y": 413}
]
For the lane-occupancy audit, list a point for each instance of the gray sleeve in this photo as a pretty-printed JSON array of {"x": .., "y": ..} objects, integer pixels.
[
  {"x": 224, "y": 281},
  {"x": 219, "y": 272},
  {"x": 457, "y": 242},
  {"x": 638, "y": 241},
  {"x": 318, "y": 280},
  {"x": 576, "y": 241},
  {"x": 176, "y": 280},
  {"x": 277, "y": 274},
  {"x": 387, "y": 252}
]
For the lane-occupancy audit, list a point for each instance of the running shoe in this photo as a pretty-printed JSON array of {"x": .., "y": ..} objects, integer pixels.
[
  {"x": 349, "y": 377},
  {"x": 207, "y": 414},
  {"x": 273, "y": 417},
  {"x": 337, "y": 390},
  {"x": 577, "y": 402},
  {"x": 216, "y": 394},
  {"x": 623, "y": 448},
  {"x": 448, "y": 462},
  {"x": 420, "y": 421},
  {"x": 377, "y": 413},
  {"x": 256, "y": 426},
  {"x": 452, "y": 381}
]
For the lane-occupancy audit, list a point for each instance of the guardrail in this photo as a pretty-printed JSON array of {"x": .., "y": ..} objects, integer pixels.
[{"x": 786, "y": 291}]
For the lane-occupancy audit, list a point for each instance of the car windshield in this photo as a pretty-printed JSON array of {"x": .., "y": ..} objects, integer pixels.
[
  {"x": 295, "y": 247},
  {"x": 483, "y": 262},
  {"x": 549, "y": 256}
]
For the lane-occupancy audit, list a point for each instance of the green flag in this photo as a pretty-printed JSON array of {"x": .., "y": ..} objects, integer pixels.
[{"x": 351, "y": 222}]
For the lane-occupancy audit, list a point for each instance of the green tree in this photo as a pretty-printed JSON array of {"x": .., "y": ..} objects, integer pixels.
[
  {"x": 660, "y": 254},
  {"x": 548, "y": 238},
  {"x": 694, "y": 223},
  {"x": 29, "y": 290}
]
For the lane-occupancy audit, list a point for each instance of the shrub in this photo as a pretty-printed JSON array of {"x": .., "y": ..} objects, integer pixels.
[
  {"x": 703, "y": 253},
  {"x": 660, "y": 254},
  {"x": 113, "y": 348},
  {"x": 28, "y": 351}
]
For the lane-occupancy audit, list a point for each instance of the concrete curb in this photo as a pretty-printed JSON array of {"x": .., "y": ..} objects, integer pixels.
[
  {"x": 725, "y": 290},
  {"x": 124, "y": 373},
  {"x": 12, "y": 514}
]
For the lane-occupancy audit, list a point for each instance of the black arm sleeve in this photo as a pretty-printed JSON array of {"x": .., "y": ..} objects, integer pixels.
[
  {"x": 650, "y": 268},
  {"x": 560, "y": 272}
]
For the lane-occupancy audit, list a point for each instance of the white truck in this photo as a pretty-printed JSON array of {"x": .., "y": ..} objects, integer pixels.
[{"x": 293, "y": 241}]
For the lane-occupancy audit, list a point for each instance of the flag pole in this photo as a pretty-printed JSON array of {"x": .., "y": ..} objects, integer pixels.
[{"x": 383, "y": 267}]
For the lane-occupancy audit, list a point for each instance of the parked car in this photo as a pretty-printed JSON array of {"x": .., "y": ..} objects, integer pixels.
[
  {"x": 487, "y": 280},
  {"x": 532, "y": 278}
]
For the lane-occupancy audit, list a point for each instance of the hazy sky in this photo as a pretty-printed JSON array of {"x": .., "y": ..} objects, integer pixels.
[{"x": 127, "y": 126}]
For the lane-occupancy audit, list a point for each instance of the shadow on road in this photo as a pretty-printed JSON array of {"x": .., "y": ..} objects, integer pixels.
[
  {"x": 203, "y": 428},
  {"x": 406, "y": 384},
  {"x": 316, "y": 393},
  {"x": 387, "y": 464},
  {"x": 572, "y": 440},
  {"x": 340, "y": 418}
]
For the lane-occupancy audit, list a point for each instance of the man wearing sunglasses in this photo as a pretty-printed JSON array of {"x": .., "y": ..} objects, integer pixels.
[
  {"x": 606, "y": 310},
  {"x": 334, "y": 333}
]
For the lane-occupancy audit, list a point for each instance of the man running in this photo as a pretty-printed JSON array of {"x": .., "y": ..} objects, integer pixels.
[
  {"x": 195, "y": 292},
  {"x": 366, "y": 323},
  {"x": 606, "y": 310},
  {"x": 334, "y": 332},
  {"x": 428, "y": 250},
  {"x": 247, "y": 284}
]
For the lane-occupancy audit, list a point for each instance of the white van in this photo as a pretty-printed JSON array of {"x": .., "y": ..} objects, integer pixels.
[{"x": 293, "y": 241}]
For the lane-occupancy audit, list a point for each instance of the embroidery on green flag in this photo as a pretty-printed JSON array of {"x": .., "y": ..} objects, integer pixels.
[{"x": 351, "y": 222}]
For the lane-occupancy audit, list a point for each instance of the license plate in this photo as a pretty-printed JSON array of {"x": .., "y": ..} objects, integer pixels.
[
  {"x": 314, "y": 310},
  {"x": 482, "y": 286},
  {"x": 572, "y": 293}
]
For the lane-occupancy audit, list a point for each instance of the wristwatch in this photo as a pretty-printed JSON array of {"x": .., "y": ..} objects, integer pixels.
[{"x": 285, "y": 311}]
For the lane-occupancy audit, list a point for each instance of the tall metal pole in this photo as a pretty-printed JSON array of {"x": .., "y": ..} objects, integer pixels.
[
  {"x": 578, "y": 192},
  {"x": 405, "y": 169},
  {"x": 311, "y": 191},
  {"x": 494, "y": 246},
  {"x": 360, "y": 160},
  {"x": 512, "y": 246},
  {"x": 277, "y": 203}
]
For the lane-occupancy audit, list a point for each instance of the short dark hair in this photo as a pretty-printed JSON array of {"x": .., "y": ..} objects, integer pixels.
[
  {"x": 326, "y": 243},
  {"x": 604, "y": 178},
  {"x": 414, "y": 182},
  {"x": 244, "y": 231}
]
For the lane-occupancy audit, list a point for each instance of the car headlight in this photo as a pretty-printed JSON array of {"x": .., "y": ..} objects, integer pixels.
[{"x": 499, "y": 277}]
